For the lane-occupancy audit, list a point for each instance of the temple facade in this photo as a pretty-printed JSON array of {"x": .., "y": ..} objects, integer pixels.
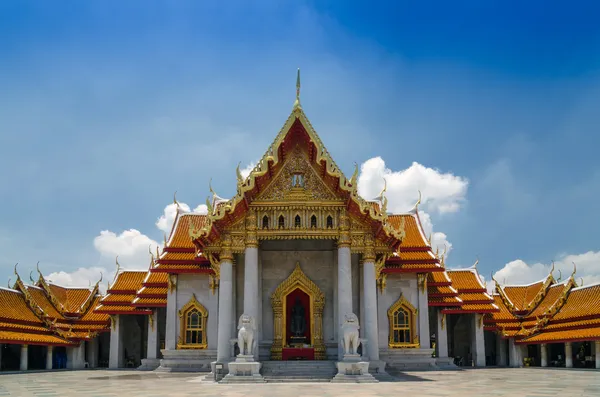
[{"x": 299, "y": 261}]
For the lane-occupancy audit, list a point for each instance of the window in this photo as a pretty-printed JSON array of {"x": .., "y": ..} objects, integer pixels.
[
  {"x": 313, "y": 222},
  {"x": 281, "y": 222},
  {"x": 265, "y": 222},
  {"x": 297, "y": 221},
  {"x": 193, "y": 325},
  {"x": 329, "y": 222},
  {"x": 401, "y": 326},
  {"x": 401, "y": 316}
]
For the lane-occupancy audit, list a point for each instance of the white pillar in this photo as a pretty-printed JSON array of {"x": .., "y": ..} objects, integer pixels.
[
  {"x": 500, "y": 351},
  {"x": 225, "y": 311},
  {"x": 152, "y": 345},
  {"x": 171, "y": 323},
  {"x": 1, "y": 347},
  {"x": 597, "y": 343},
  {"x": 251, "y": 285},
  {"x": 370, "y": 322},
  {"x": 344, "y": 289},
  {"x": 568, "y": 355},
  {"x": 424, "y": 332},
  {"x": 441, "y": 336},
  {"x": 92, "y": 352},
  {"x": 76, "y": 356},
  {"x": 49, "y": 357},
  {"x": 514, "y": 354},
  {"x": 24, "y": 357},
  {"x": 115, "y": 358},
  {"x": 478, "y": 341},
  {"x": 361, "y": 306},
  {"x": 544, "y": 354}
]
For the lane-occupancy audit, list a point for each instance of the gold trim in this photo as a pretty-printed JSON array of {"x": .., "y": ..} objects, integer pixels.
[
  {"x": 151, "y": 320},
  {"x": 402, "y": 303},
  {"x": 317, "y": 302},
  {"x": 192, "y": 304},
  {"x": 443, "y": 321},
  {"x": 422, "y": 281}
]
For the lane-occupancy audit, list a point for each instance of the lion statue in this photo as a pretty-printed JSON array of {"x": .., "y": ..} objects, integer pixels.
[
  {"x": 350, "y": 329},
  {"x": 246, "y": 329}
]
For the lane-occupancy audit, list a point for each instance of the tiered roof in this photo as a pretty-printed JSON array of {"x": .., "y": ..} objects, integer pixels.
[
  {"x": 121, "y": 294},
  {"x": 415, "y": 253},
  {"x": 48, "y": 314}
]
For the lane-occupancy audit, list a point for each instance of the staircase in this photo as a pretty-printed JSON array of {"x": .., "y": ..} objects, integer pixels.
[{"x": 298, "y": 371}]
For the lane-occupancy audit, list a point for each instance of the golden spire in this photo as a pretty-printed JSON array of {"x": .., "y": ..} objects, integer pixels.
[
  {"x": 297, "y": 102},
  {"x": 240, "y": 178}
]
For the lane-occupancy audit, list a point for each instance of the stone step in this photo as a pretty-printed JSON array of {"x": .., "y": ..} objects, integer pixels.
[{"x": 295, "y": 379}]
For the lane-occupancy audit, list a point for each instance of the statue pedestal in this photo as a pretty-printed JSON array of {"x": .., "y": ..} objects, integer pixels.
[
  {"x": 353, "y": 370},
  {"x": 244, "y": 370}
]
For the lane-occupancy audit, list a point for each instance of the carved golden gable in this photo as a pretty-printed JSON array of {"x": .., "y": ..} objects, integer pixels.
[{"x": 297, "y": 181}]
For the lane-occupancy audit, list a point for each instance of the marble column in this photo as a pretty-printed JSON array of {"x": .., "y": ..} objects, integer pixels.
[
  {"x": 116, "y": 358},
  {"x": 515, "y": 355},
  {"x": 544, "y": 354},
  {"x": 92, "y": 352},
  {"x": 597, "y": 343},
  {"x": 424, "y": 332},
  {"x": 568, "y": 355},
  {"x": 225, "y": 320},
  {"x": 251, "y": 285},
  {"x": 501, "y": 351},
  {"x": 370, "y": 317},
  {"x": 76, "y": 356},
  {"x": 478, "y": 341},
  {"x": 171, "y": 317},
  {"x": 153, "y": 341},
  {"x": 441, "y": 336},
  {"x": 24, "y": 357},
  {"x": 49, "y": 360},
  {"x": 344, "y": 289}
]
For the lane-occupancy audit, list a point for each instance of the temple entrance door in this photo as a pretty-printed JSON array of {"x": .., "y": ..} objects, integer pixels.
[{"x": 298, "y": 319}]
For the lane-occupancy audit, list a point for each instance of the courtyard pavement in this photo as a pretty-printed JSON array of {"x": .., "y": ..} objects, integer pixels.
[{"x": 534, "y": 382}]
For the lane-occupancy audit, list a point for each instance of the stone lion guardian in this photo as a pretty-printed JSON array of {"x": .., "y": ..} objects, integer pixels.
[
  {"x": 350, "y": 340},
  {"x": 246, "y": 330}
]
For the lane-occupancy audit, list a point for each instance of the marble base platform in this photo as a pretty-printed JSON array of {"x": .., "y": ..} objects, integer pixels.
[
  {"x": 353, "y": 372},
  {"x": 149, "y": 364},
  {"x": 244, "y": 370},
  {"x": 187, "y": 360}
]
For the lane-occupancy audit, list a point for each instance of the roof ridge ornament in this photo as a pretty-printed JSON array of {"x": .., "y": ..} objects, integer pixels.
[
  {"x": 175, "y": 200},
  {"x": 574, "y": 270},
  {"x": 415, "y": 209},
  {"x": 475, "y": 264},
  {"x": 297, "y": 102}
]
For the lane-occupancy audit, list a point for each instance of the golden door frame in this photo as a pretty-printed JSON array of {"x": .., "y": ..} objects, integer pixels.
[{"x": 317, "y": 301}]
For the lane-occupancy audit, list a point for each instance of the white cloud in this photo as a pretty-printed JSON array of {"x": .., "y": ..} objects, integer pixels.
[
  {"x": 131, "y": 246},
  {"x": 247, "y": 169},
  {"x": 520, "y": 272},
  {"x": 441, "y": 193},
  {"x": 165, "y": 221},
  {"x": 82, "y": 277},
  {"x": 439, "y": 240}
]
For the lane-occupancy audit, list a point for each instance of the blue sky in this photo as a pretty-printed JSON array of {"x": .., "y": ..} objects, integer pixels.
[{"x": 107, "y": 108}]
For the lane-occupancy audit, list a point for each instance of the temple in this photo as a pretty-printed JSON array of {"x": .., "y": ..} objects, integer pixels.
[{"x": 297, "y": 267}]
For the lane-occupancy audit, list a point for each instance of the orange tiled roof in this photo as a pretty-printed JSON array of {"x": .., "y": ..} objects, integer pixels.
[
  {"x": 31, "y": 338},
  {"x": 8, "y": 326},
  {"x": 551, "y": 297},
  {"x": 91, "y": 316},
  {"x": 180, "y": 237},
  {"x": 438, "y": 278},
  {"x": 14, "y": 307},
  {"x": 579, "y": 304},
  {"x": 479, "y": 307},
  {"x": 503, "y": 314},
  {"x": 118, "y": 309},
  {"x": 476, "y": 297},
  {"x": 466, "y": 280},
  {"x": 71, "y": 298},
  {"x": 154, "y": 278},
  {"x": 189, "y": 267},
  {"x": 152, "y": 291},
  {"x": 150, "y": 302},
  {"x": 444, "y": 301},
  {"x": 178, "y": 256},
  {"x": 116, "y": 299},
  {"x": 128, "y": 281},
  {"x": 414, "y": 236},
  {"x": 584, "y": 334},
  {"x": 442, "y": 290},
  {"x": 40, "y": 298}
]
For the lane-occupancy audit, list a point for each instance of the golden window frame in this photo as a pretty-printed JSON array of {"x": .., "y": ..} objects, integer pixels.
[
  {"x": 403, "y": 304},
  {"x": 192, "y": 304}
]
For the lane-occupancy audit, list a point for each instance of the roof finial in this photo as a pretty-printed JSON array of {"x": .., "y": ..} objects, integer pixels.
[
  {"x": 297, "y": 103},
  {"x": 31, "y": 277},
  {"x": 416, "y": 207},
  {"x": 581, "y": 284},
  {"x": 175, "y": 199},
  {"x": 552, "y": 270},
  {"x": 476, "y": 262},
  {"x": 16, "y": 274},
  {"x": 118, "y": 265},
  {"x": 9, "y": 283},
  {"x": 574, "y": 269}
]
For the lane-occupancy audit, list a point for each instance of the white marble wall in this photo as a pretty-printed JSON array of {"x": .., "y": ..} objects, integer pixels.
[
  {"x": 277, "y": 260},
  {"x": 405, "y": 284},
  {"x": 187, "y": 285}
]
